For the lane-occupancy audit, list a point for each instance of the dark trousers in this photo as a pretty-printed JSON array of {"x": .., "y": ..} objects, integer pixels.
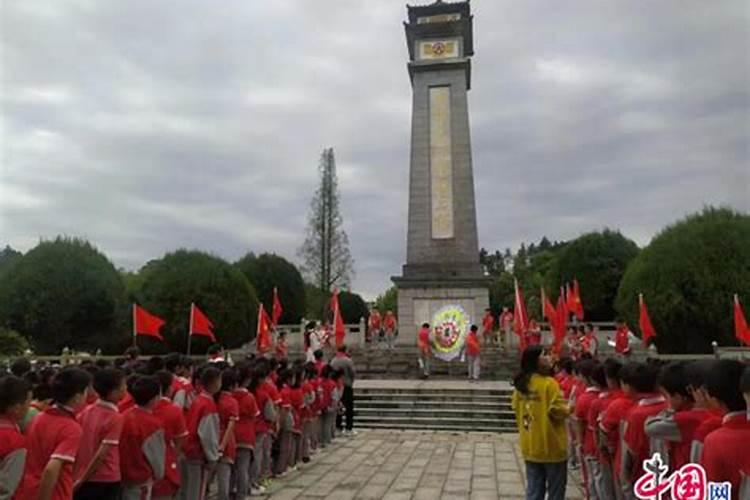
[
  {"x": 98, "y": 491},
  {"x": 347, "y": 399},
  {"x": 546, "y": 478}
]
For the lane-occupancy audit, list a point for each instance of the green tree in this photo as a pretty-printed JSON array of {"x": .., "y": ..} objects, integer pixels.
[
  {"x": 688, "y": 275},
  {"x": 325, "y": 251},
  {"x": 388, "y": 301},
  {"x": 12, "y": 343},
  {"x": 502, "y": 292},
  {"x": 353, "y": 307},
  {"x": 493, "y": 263},
  {"x": 267, "y": 271},
  {"x": 598, "y": 261},
  {"x": 65, "y": 293},
  {"x": 220, "y": 290}
]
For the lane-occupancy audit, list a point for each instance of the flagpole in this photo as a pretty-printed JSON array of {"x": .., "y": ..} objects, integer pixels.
[
  {"x": 190, "y": 331},
  {"x": 135, "y": 332}
]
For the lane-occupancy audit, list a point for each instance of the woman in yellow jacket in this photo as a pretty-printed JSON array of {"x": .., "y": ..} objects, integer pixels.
[{"x": 541, "y": 412}]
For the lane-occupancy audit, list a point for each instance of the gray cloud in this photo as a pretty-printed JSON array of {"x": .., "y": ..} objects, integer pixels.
[{"x": 146, "y": 126}]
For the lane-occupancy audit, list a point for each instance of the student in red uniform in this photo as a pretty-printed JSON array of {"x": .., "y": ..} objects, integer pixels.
[
  {"x": 268, "y": 399},
  {"x": 581, "y": 408},
  {"x": 390, "y": 325},
  {"x": 245, "y": 431},
  {"x": 622, "y": 338},
  {"x": 181, "y": 392},
  {"x": 488, "y": 327},
  {"x": 15, "y": 397},
  {"x": 202, "y": 443},
  {"x": 611, "y": 424},
  {"x": 597, "y": 474},
  {"x": 649, "y": 402},
  {"x": 54, "y": 437},
  {"x": 672, "y": 431},
  {"x": 712, "y": 420},
  {"x": 97, "y": 474},
  {"x": 604, "y": 480},
  {"x": 286, "y": 424},
  {"x": 373, "y": 325},
  {"x": 317, "y": 408},
  {"x": 506, "y": 323},
  {"x": 142, "y": 445},
  {"x": 473, "y": 354},
  {"x": 308, "y": 411},
  {"x": 172, "y": 419},
  {"x": 534, "y": 333},
  {"x": 424, "y": 347},
  {"x": 329, "y": 402},
  {"x": 229, "y": 414},
  {"x": 589, "y": 342},
  {"x": 725, "y": 451}
]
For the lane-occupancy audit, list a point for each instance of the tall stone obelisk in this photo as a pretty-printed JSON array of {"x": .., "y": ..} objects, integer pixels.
[{"x": 442, "y": 256}]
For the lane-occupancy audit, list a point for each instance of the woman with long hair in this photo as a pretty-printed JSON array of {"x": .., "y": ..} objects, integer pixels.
[{"x": 541, "y": 412}]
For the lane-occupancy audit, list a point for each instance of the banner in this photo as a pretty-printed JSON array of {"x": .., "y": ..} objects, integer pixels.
[{"x": 450, "y": 326}]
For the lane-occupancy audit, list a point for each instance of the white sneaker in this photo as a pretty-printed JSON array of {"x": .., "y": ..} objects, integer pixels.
[{"x": 257, "y": 490}]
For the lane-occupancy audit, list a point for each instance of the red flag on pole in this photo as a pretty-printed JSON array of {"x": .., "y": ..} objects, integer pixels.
[
  {"x": 577, "y": 304},
  {"x": 520, "y": 319},
  {"x": 741, "y": 329},
  {"x": 549, "y": 311},
  {"x": 644, "y": 321},
  {"x": 338, "y": 320},
  {"x": 145, "y": 323},
  {"x": 562, "y": 321},
  {"x": 277, "y": 310},
  {"x": 263, "y": 334},
  {"x": 200, "y": 324},
  {"x": 569, "y": 300}
]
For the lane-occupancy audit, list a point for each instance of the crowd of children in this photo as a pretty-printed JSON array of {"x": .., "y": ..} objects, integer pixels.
[
  {"x": 162, "y": 428},
  {"x": 624, "y": 412}
]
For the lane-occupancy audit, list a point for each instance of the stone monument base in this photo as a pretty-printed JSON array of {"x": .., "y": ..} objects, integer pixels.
[{"x": 418, "y": 304}]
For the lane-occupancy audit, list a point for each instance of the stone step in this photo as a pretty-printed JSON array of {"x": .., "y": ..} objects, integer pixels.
[
  {"x": 431, "y": 423},
  {"x": 437, "y": 398},
  {"x": 438, "y": 413},
  {"x": 435, "y": 405}
]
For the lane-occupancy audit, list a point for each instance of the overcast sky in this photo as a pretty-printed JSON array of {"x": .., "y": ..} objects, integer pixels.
[{"x": 150, "y": 125}]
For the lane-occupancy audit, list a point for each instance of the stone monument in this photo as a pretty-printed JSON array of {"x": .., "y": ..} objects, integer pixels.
[{"x": 442, "y": 250}]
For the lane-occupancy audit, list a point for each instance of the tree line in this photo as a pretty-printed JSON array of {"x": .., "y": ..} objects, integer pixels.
[{"x": 66, "y": 293}]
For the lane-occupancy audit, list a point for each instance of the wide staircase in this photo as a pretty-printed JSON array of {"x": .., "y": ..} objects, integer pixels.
[{"x": 453, "y": 405}]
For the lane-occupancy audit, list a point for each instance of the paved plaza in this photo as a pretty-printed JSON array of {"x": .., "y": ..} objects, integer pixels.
[{"x": 412, "y": 465}]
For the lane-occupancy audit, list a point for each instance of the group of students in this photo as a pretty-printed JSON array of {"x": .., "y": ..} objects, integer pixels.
[
  {"x": 609, "y": 418},
  {"x": 163, "y": 428}
]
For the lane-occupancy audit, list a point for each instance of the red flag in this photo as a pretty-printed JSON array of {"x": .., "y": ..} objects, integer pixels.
[
  {"x": 520, "y": 319},
  {"x": 741, "y": 329},
  {"x": 644, "y": 321},
  {"x": 548, "y": 310},
  {"x": 277, "y": 310},
  {"x": 200, "y": 324},
  {"x": 577, "y": 304},
  {"x": 562, "y": 321},
  {"x": 338, "y": 320},
  {"x": 569, "y": 301},
  {"x": 145, "y": 323},
  {"x": 263, "y": 334}
]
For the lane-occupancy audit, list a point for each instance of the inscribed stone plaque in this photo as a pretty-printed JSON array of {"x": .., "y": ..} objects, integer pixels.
[{"x": 441, "y": 163}]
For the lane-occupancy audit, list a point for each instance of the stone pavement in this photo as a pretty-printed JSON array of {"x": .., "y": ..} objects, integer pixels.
[{"x": 412, "y": 465}]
